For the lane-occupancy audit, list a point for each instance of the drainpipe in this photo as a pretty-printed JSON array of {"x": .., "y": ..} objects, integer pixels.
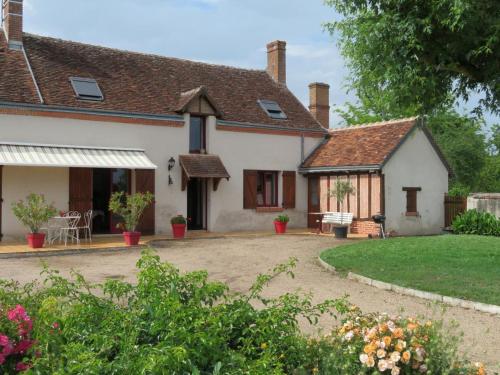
[{"x": 302, "y": 156}]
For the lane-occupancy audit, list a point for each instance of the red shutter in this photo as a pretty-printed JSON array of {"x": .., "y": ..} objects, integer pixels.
[
  {"x": 144, "y": 182},
  {"x": 80, "y": 189},
  {"x": 289, "y": 178},
  {"x": 249, "y": 189},
  {"x": 1, "y": 201}
]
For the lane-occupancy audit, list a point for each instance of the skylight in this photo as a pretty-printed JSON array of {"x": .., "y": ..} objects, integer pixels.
[
  {"x": 86, "y": 88},
  {"x": 272, "y": 109}
]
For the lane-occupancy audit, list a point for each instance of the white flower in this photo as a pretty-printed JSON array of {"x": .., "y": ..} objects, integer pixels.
[
  {"x": 395, "y": 357},
  {"x": 363, "y": 358},
  {"x": 382, "y": 365},
  {"x": 381, "y": 353},
  {"x": 391, "y": 325},
  {"x": 419, "y": 354},
  {"x": 422, "y": 369},
  {"x": 390, "y": 364},
  {"x": 349, "y": 335},
  {"x": 395, "y": 370}
]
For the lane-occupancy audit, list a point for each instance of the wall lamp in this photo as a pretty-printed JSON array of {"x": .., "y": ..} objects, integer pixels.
[{"x": 171, "y": 165}]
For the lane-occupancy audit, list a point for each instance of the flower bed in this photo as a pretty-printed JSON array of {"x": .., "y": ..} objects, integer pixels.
[{"x": 182, "y": 323}]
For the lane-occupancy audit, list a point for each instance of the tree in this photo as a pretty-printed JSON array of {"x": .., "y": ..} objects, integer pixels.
[{"x": 426, "y": 54}]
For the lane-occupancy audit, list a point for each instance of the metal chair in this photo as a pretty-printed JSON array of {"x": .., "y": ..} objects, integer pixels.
[
  {"x": 87, "y": 225},
  {"x": 71, "y": 227}
]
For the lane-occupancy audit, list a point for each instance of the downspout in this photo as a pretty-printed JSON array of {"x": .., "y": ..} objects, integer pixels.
[{"x": 302, "y": 151}]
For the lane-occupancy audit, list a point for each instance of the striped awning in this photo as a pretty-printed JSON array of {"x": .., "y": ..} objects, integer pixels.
[{"x": 24, "y": 154}]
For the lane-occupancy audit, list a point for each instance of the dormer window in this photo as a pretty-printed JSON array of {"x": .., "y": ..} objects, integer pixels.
[
  {"x": 86, "y": 89},
  {"x": 272, "y": 109}
]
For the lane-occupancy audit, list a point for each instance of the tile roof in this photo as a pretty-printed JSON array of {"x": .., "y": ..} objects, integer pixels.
[
  {"x": 363, "y": 145},
  {"x": 203, "y": 166},
  {"x": 142, "y": 83}
]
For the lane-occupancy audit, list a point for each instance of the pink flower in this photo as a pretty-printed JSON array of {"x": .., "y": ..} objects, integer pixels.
[
  {"x": 23, "y": 346},
  {"x": 2, "y": 359},
  {"x": 55, "y": 325},
  {"x": 7, "y": 350},
  {"x": 21, "y": 366},
  {"x": 17, "y": 314},
  {"x": 4, "y": 340}
]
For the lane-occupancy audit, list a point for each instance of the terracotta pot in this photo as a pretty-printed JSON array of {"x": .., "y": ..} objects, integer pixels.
[
  {"x": 35, "y": 240},
  {"x": 280, "y": 227},
  {"x": 132, "y": 238},
  {"x": 179, "y": 230}
]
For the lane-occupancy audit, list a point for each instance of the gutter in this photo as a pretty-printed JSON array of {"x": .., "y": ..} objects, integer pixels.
[
  {"x": 346, "y": 168},
  {"x": 265, "y": 126}
]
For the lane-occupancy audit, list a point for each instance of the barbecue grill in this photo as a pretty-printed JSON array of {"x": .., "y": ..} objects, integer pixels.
[{"x": 380, "y": 220}]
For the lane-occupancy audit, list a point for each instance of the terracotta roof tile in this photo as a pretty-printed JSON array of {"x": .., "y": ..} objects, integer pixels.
[
  {"x": 203, "y": 166},
  {"x": 361, "y": 145},
  {"x": 143, "y": 83}
]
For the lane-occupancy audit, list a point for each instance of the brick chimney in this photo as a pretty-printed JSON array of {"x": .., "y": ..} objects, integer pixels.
[
  {"x": 276, "y": 61},
  {"x": 319, "y": 102},
  {"x": 12, "y": 17}
]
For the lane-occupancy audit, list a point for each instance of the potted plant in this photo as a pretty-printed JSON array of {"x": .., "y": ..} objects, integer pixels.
[
  {"x": 178, "y": 226},
  {"x": 33, "y": 213},
  {"x": 130, "y": 208},
  {"x": 280, "y": 223},
  {"x": 340, "y": 191}
]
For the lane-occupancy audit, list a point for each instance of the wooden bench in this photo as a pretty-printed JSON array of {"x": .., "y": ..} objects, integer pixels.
[{"x": 340, "y": 218}]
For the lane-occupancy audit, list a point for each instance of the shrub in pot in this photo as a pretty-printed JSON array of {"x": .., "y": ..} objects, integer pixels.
[
  {"x": 280, "y": 223},
  {"x": 178, "y": 226},
  {"x": 340, "y": 191},
  {"x": 130, "y": 207},
  {"x": 33, "y": 212}
]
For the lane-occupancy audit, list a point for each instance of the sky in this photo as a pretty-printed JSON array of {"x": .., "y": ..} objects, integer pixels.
[{"x": 229, "y": 32}]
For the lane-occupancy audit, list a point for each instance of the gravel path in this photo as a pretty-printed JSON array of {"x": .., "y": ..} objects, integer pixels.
[{"x": 238, "y": 261}]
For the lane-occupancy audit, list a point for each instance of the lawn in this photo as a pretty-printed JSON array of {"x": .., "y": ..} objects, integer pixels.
[{"x": 465, "y": 266}]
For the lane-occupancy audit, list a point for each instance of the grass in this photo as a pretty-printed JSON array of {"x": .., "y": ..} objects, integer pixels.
[{"x": 465, "y": 266}]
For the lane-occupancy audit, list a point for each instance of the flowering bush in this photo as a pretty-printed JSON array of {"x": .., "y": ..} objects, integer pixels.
[
  {"x": 15, "y": 339},
  {"x": 173, "y": 323}
]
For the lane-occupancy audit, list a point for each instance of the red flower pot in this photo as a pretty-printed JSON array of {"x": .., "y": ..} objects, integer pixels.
[
  {"x": 280, "y": 227},
  {"x": 179, "y": 230},
  {"x": 132, "y": 238},
  {"x": 35, "y": 240}
]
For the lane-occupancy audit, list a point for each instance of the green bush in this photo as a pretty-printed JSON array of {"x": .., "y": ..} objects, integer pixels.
[
  {"x": 33, "y": 212},
  {"x": 173, "y": 323},
  {"x": 179, "y": 219},
  {"x": 475, "y": 222},
  {"x": 282, "y": 218}
]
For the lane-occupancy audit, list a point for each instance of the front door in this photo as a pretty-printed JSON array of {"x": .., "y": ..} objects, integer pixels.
[
  {"x": 313, "y": 203},
  {"x": 197, "y": 203}
]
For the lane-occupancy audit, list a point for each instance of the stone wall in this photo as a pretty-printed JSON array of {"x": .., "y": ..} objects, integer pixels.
[{"x": 485, "y": 202}]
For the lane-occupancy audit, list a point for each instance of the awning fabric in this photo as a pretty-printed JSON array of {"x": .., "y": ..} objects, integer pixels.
[
  {"x": 22, "y": 154},
  {"x": 203, "y": 166}
]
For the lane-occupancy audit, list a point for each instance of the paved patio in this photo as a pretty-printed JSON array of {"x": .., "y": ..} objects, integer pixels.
[{"x": 237, "y": 260}]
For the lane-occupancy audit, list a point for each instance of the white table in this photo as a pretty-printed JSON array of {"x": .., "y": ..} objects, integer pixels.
[{"x": 55, "y": 229}]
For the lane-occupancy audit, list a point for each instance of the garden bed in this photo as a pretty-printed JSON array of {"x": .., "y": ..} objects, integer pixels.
[{"x": 457, "y": 266}]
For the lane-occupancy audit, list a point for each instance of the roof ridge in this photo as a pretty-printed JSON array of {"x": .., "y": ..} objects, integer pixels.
[
  {"x": 374, "y": 124},
  {"x": 143, "y": 53}
]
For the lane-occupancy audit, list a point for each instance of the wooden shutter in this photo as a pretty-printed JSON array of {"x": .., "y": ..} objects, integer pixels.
[
  {"x": 289, "y": 178},
  {"x": 144, "y": 182},
  {"x": 411, "y": 199},
  {"x": 249, "y": 189},
  {"x": 1, "y": 202},
  {"x": 80, "y": 189}
]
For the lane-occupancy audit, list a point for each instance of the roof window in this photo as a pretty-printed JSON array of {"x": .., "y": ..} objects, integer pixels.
[
  {"x": 86, "y": 88},
  {"x": 272, "y": 109}
]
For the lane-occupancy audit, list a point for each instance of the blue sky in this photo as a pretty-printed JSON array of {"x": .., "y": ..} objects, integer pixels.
[{"x": 230, "y": 32}]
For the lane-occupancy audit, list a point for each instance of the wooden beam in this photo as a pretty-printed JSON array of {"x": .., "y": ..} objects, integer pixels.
[
  {"x": 382, "y": 194},
  {"x": 185, "y": 180},
  {"x": 328, "y": 195},
  {"x": 369, "y": 195},
  {"x": 216, "y": 183},
  {"x": 358, "y": 190}
]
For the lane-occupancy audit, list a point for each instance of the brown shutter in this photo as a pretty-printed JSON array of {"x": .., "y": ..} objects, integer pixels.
[
  {"x": 249, "y": 189},
  {"x": 289, "y": 178},
  {"x": 411, "y": 201},
  {"x": 80, "y": 189},
  {"x": 144, "y": 182},
  {"x": 1, "y": 201}
]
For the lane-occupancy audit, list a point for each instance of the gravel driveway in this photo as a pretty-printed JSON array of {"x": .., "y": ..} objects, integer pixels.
[{"x": 238, "y": 261}]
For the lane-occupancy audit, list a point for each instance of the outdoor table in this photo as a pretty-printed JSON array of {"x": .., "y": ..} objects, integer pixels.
[
  {"x": 56, "y": 223},
  {"x": 320, "y": 224}
]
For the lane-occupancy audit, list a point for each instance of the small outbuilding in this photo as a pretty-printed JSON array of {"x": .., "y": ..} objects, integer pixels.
[{"x": 396, "y": 169}]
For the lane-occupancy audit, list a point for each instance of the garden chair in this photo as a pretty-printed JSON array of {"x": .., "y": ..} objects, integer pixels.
[
  {"x": 87, "y": 225},
  {"x": 70, "y": 229}
]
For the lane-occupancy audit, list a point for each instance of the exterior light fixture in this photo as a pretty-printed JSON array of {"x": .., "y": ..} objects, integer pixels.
[
  {"x": 170, "y": 181},
  {"x": 171, "y": 163}
]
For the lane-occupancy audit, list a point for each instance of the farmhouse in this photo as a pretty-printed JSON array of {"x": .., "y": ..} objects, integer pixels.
[{"x": 220, "y": 145}]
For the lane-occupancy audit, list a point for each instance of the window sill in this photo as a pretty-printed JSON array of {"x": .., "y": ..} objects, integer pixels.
[
  {"x": 269, "y": 209},
  {"x": 414, "y": 214}
]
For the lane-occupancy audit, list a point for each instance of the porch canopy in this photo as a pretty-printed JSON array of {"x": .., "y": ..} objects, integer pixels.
[
  {"x": 202, "y": 166},
  {"x": 40, "y": 155}
]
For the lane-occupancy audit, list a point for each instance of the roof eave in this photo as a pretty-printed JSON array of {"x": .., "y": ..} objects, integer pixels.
[{"x": 344, "y": 168}]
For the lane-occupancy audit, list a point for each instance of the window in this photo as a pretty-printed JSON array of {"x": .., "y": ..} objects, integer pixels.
[
  {"x": 272, "y": 109},
  {"x": 86, "y": 89},
  {"x": 411, "y": 200},
  {"x": 267, "y": 189},
  {"x": 197, "y": 135}
]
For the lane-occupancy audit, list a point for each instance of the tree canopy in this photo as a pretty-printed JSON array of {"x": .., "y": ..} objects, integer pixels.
[{"x": 426, "y": 53}]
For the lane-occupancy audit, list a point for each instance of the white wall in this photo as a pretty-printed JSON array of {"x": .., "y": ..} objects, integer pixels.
[
  {"x": 415, "y": 164},
  {"x": 238, "y": 151},
  {"x": 18, "y": 182}
]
